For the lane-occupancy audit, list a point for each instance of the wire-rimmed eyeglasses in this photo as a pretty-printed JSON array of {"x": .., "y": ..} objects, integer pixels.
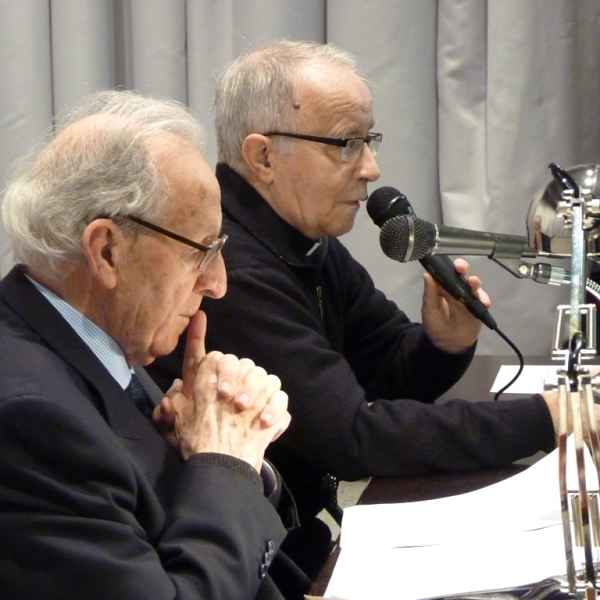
[
  {"x": 210, "y": 251},
  {"x": 352, "y": 147}
]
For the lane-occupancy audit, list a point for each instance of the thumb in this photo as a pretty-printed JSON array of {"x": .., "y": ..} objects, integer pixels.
[
  {"x": 430, "y": 293},
  {"x": 163, "y": 417},
  {"x": 194, "y": 351}
]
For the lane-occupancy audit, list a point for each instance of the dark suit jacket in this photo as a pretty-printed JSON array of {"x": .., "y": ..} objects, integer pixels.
[{"x": 93, "y": 504}]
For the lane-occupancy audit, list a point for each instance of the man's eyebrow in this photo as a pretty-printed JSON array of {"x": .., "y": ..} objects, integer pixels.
[
  {"x": 350, "y": 132},
  {"x": 358, "y": 129}
]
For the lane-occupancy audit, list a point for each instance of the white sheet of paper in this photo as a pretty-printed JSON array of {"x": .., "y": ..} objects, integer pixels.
[
  {"x": 531, "y": 380},
  {"x": 434, "y": 571},
  {"x": 528, "y": 500},
  {"x": 499, "y": 537}
]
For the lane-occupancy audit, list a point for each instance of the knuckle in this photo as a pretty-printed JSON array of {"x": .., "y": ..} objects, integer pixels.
[
  {"x": 229, "y": 360},
  {"x": 282, "y": 398},
  {"x": 274, "y": 381},
  {"x": 247, "y": 363},
  {"x": 259, "y": 372}
]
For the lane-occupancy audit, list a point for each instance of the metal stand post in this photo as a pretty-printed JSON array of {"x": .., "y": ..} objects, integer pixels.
[{"x": 575, "y": 386}]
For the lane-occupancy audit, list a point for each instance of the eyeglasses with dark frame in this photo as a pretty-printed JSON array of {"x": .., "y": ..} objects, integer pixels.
[
  {"x": 352, "y": 147},
  {"x": 211, "y": 250}
]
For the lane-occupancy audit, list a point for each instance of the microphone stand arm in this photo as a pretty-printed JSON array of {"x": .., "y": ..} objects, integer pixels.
[{"x": 540, "y": 272}]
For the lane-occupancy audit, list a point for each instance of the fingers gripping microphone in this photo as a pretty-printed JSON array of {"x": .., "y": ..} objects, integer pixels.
[{"x": 386, "y": 203}]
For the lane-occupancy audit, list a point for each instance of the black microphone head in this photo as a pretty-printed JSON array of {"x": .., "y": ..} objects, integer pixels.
[
  {"x": 385, "y": 203},
  {"x": 406, "y": 238}
]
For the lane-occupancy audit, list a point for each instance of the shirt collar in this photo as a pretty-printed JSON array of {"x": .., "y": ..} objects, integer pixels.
[{"x": 100, "y": 343}]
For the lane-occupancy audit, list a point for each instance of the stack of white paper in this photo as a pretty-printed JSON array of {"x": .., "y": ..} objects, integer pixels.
[{"x": 500, "y": 537}]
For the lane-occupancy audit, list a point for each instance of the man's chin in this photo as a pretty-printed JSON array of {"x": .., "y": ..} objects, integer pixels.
[
  {"x": 342, "y": 229},
  {"x": 160, "y": 350}
]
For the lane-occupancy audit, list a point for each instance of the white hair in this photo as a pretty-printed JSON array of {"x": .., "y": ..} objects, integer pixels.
[
  {"x": 255, "y": 93},
  {"x": 71, "y": 179}
]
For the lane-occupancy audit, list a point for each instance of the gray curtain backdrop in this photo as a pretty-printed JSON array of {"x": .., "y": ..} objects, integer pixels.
[{"x": 474, "y": 99}]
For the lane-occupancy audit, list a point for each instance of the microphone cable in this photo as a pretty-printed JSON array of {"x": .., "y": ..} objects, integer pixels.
[{"x": 521, "y": 363}]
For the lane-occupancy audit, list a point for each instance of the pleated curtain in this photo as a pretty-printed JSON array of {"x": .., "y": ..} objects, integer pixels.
[{"x": 474, "y": 98}]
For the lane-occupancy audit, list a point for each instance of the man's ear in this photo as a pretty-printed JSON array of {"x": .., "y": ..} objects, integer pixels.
[
  {"x": 256, "y": 150},
  {"x": 101, "y": 250}
]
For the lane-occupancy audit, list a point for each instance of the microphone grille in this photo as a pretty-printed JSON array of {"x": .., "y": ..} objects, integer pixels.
[
  {"x": 406, "y": 238},
  {"x": 425, "y": 239},
  {"x": 395, "y": 238},
  {"x": 385, "y": 203}
]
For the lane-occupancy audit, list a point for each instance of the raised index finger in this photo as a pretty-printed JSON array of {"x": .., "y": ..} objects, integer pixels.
[{"x": 195, "y": 351}]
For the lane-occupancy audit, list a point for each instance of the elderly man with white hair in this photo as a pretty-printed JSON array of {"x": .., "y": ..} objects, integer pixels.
[{"x": 115, "y": 223}]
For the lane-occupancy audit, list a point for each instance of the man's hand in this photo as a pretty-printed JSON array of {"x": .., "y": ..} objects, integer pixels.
[
  {"x": 551, "y": 399},
  {"x": 221, "y": 404},
  {"x": 448, "y": 324},
  {"x": 213, "y": 422}
]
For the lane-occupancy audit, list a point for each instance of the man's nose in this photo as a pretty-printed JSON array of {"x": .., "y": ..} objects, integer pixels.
[
  {"x": 368, "y": 168},
  {"x": 212, "y": 281}
]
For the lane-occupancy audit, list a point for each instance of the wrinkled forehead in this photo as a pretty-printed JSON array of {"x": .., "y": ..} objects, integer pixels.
[{"x": 325, "y": 89}]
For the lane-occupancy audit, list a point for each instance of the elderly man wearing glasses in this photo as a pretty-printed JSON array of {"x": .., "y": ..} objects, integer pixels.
[
  {"x": 296, "y": 153},
  {"x": 115, "y": 223}
]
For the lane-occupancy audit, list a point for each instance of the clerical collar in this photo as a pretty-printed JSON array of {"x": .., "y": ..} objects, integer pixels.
[{"x": 315, "y": 246}]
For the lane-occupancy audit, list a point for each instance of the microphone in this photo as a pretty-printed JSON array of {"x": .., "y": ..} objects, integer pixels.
[
  {"x": 387, "y": 204},
  {"x": 406, "y": 237}
]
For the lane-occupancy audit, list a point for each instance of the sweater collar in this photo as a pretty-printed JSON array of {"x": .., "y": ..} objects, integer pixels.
[{"x": 244, "y": 205}]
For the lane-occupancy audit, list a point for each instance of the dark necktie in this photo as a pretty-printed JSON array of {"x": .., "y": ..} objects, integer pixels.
[{"x": 137, "y": 393}]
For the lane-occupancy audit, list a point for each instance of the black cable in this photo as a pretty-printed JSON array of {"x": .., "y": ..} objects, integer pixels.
[{"x": 521, "y": 363}]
